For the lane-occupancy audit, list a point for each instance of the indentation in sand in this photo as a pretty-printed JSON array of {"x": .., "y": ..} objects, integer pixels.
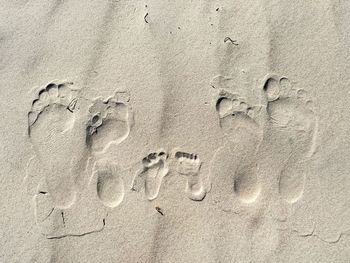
[
  {"x": 110, "y": 122},
  {"x": 110, "y": 184},
  {"x": 55, "y": 132},
  {"x": 189, "y": 165},
  {"x": 155, "y": 168},
  {"x": 293, "y": 126},
  {"x": 238, "y": 121}
]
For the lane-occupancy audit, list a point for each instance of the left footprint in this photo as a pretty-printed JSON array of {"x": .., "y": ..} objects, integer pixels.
[
  {"x": 56, "y": 131},
  {"x": 240, "y": 123},
  {"x": 155, "y": 167}
]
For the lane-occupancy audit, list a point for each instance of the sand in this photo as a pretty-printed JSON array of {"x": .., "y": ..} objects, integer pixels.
[{"x": 175, "y": 131}]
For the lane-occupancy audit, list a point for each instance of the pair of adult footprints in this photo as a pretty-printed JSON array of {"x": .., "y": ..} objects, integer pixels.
[
  {"x": 284, "y": 128},
  {"x": 66, "y": 130}
]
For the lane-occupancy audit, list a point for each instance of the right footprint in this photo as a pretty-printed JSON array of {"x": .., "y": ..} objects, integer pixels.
[
  {"x": 189, "y": 165},
  {"x": 110, "y": 122},
  {"x": 110, "y": 185},
  {"x": 292, "y": 126},
  {"x": 155, "y": 168}
]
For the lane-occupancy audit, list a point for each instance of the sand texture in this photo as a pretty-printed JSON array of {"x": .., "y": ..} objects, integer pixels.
[{"x": 175, "y": 131}]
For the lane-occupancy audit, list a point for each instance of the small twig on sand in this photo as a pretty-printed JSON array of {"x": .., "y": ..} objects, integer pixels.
[
  {"x": 234, "y": 42},
  {"x": 159, "y": 210},
  {"x": 145, "y": 18}
]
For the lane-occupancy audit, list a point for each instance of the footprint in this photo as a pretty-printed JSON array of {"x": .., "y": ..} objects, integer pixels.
[
  {"x": 240, "y": 123},
  {"x": 155, "y": 167},
  {"x": 292, "y": 126},
  {"x": 110, "y": 184},
  {"x": 236, "y": 117},
  {"x": 56, "y": 131},
  {"x": 110, "y": 122},
  {"x": 189, "y": 165}
]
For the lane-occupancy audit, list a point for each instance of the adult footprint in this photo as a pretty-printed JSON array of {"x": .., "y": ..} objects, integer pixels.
[
  {"x": 110, "y": 121},
  {"x": 189, "y": 165},
  {"x": 237, "y": 118},
  {"x": 241, "y": 125},
  {"x": 110, "y": 184},
  {"x": 57, "y": 133},
  {"x": 155, "y": 167},
  {"x": 292, "y": 128}
]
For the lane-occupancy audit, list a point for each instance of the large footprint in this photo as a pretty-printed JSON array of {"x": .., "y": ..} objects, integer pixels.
[
  {"x": 155, "y": 168},
  {"x": 56, "y": 128},
  {"x": 241, "y": 125},
  {"x": 292, "y": 126},
  {"x": 110, "y": 122},
  {"x": 189, "y": 165}
]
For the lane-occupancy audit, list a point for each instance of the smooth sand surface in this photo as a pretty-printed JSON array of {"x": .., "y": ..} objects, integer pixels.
[{"x": 175, "y": 131}]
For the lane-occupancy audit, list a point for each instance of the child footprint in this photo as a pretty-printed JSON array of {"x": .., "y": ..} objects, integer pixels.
[
  {"x": 155, "y": 167},
  {"x": 110, "y": 185},
  {"x": 110, "y": 121},
  {"x": 241, "y": 125},
  {"x": 56, "y": 131},
  {"x": 292, "y": 126},
  {"x": 189, "y": 165}
]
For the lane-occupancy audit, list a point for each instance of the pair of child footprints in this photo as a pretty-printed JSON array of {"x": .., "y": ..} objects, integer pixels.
[
  {"x": 156, "y": 167},
  {"x": 66, "y": 130},
  {"x": 285, "y": 123}
]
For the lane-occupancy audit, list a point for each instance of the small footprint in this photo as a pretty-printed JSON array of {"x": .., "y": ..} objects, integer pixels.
[
  {"x": 240, "y": 123},
  {"x": 110, "y": 184},
  {"x": 110, "y": 122},
  {"x": 56, "y": 130},
  {"x": 189, "y": 165},
  {"x": 155, "y": 168},
  {"x": 293, "y": 129}
]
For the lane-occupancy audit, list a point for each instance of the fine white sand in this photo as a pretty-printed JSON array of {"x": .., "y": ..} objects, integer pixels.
[{"x": 175, "y": 131}]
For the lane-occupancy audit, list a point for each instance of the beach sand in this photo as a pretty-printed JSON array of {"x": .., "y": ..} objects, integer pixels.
[{"x": 175, "y": 131}]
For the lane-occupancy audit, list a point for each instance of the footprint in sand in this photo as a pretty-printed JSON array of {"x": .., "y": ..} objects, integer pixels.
[
  {"x": 155, "y": 167},
  {"x": 243, "y": 132},
  {"x": 110, "y": 122},
  {"x": 189, "y": 165},
  {"x": 110, "y": 185},
  {"x": 56, "y": 130},
  {"x": 292, "y": 127}
]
